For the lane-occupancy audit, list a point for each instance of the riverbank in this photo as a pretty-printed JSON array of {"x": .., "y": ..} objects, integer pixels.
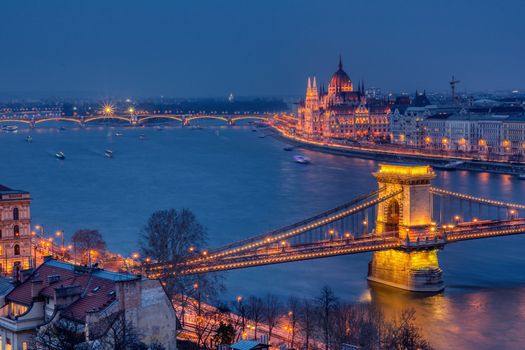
[{"x": 398, "y": 156}]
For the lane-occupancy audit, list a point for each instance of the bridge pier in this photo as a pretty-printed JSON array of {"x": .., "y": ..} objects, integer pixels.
[{"x": 409, "y": 215}]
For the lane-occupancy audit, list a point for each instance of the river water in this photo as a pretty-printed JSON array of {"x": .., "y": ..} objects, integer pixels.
[{"x": 240, "y": 184}]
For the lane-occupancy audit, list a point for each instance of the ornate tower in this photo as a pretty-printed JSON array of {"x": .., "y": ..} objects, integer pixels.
[
  {"x": 15, "y": 231},
  {"x": 408, "y": 214}
]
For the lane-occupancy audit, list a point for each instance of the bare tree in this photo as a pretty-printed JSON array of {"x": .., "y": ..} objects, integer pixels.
[
  {"x": 255, "y": 312},
  {"x": 402, "y": 334},
  {"x": 61, "y": 334},
  {"x": 86, "y": 242},
  {"x": 120, "y": 334},
  {"x": 293, "y": 314},
  {"x": 307, "y": 318},
  {"x": 272, "y": 311},
  {"x": 326, "y": 303}
]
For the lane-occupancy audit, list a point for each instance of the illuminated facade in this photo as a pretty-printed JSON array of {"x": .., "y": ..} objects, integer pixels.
[
  {"x": 15, "y": 231},
  {"x": 409, "y": 214},
  {"x": 341, "y": 112}
]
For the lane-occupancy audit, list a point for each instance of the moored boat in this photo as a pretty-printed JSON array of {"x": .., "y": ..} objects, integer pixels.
[
  {"x": 108, "y": 153},
  {"x": 60, "y": 155},
  {"x": 29, "y": 139}
]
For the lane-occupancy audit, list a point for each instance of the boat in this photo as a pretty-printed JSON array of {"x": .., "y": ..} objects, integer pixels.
[
  {"x": 142, "y": 137},
  {"x": 301, "y": 159},
  {"x": 60, "y": 155},
  {"x": 521, "y": 176},
  {"x": 29, "y": 139},
  {"x": 108, "y": 153},
  {"x": 288, "y": 149},
  {"x": 10, "y": 128},
  {"x": 449, "y": 166},
  {"x": 118, "y": 133},
  {"x": 62, "y": 128},
  {"x": 254, "y": 129}
]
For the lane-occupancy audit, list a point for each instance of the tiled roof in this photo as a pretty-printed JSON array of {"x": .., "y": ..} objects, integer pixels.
[{"x": 96, "y": 287}]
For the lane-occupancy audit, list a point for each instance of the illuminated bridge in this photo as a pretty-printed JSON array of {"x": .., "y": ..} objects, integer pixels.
[
  {"x": 134, "y": 119},
  {"x": 405, "y": 222}
]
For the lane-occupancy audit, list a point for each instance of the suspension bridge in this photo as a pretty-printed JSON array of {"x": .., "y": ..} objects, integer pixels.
[
  {"x": 134, "y": 119},
  {"x": 404, "y": 223}
]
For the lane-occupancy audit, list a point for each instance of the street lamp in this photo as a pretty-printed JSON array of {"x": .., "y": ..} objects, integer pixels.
[{"x": 61, "y": 234}]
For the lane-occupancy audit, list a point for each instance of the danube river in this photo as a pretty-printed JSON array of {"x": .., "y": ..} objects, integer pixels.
[{"x": 240, "y": 184}]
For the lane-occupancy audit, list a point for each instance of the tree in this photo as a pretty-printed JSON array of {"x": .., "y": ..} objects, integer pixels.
[
  {"x": 173, "y": 235},
  {"x": 326, "y": 303},
  {"x": 120, "y": 334},
  {"x": 307, "y": 321},
  {"x": 271, "y": 312},
  {"x": 255, "y": 311},
  {"x": 61, "y": 334},
  {"x": 403, "y": 334},
  {"x": 170, "y": 235},
  {"x": 225, "y": 334},
  {"x": 86, "y": 243}
]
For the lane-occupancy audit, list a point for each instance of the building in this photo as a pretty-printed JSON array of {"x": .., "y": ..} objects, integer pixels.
[
  {"x": 88, "y": 299},
  {"x": 15, "y": 231},
  {"x": 341, "y": 112}
]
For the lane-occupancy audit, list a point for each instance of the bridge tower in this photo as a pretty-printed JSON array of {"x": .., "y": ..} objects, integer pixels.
[{"x": 409, "y": 214}]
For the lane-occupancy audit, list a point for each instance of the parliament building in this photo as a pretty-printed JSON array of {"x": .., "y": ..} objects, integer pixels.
[{"x": 341, "y": 112}]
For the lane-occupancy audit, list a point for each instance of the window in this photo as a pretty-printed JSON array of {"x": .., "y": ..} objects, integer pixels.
[
  {"x": 24, "y": 345},
  {"x": 0, "y": 237},
  {"x": 15, "y": 214},
  {"x": 16, "y": 231},
  {"x": 17, "y": 249}
]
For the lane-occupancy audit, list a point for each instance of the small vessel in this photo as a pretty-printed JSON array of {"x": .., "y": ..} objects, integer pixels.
[
  {"x": 118, "y": 133},
  {"x": 142, "y": 137},
  {"x": 449, "y": 166},
  {"x": 288, "y": 149},
  {"x": 108, "y": 153},
  {"x": 60, "y": 155},
  {"x": 62, "y": 128},
  {"x": 254, "y": 129},
  {"x": 29, "y": 139},
  {"x": 301, "y": 159},
  {"x": 10, "y": 128},
  {"x": 521, "y": 176}
]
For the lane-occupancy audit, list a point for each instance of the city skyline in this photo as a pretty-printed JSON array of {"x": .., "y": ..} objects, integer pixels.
[{"x": 138, "y": 50}]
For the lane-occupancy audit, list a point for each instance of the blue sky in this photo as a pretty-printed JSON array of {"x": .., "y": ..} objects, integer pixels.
[{"x": 210, "y": 48}]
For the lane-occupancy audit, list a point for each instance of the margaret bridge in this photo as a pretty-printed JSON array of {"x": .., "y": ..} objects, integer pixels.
[
  {"x": 404, "y": 223},
  {"x": 135, "y": 119}
]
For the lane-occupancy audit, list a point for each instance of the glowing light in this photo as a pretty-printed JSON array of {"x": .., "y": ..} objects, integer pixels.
[{"x": 108, "y": 109}]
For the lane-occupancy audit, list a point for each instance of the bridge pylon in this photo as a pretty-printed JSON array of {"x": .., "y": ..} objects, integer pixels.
[{"x": 409, "y": 213}]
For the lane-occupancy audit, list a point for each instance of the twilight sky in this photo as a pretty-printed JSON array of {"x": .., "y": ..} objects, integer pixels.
[{"x": 201, "y": 48}]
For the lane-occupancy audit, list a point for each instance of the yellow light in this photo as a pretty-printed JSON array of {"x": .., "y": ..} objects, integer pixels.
[
  {"x": 58, "y": 233},
  {"x": 37, "y": 227},
  {"x": 405, "y": 170},
  {"x": 428, "y": 139},
  {"x": 135, "y": 255},
  {"x": 131, "y": 110},
  {"x": 444, "y": 140}
]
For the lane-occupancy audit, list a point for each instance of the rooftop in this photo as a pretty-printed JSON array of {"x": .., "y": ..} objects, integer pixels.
[{"x": 96, "y": 287}]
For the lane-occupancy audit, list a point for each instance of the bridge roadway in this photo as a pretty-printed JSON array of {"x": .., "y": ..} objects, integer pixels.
[{"x": 343, "y": 246}]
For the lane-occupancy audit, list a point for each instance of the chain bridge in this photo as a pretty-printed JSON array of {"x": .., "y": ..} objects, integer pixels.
[{"x": 405, "y": 222}]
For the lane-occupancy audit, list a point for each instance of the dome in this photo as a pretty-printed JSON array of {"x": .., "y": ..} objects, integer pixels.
[{"x": 340, "y": 81}]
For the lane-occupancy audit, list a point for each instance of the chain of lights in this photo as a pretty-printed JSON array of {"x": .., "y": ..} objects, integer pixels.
[{"x": 476, "y": 199}]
